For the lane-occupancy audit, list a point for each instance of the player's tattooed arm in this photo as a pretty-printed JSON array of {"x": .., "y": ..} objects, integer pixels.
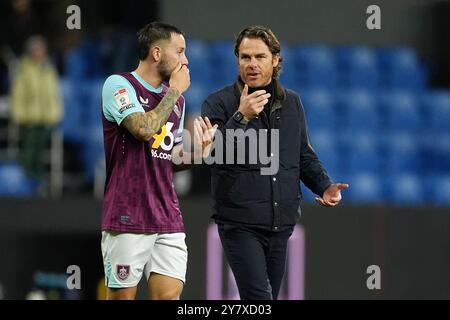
[{"x": 144, "y": 125}]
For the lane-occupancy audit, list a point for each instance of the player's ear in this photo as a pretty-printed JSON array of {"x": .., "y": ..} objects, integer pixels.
[{"x": 155, "y": 52}]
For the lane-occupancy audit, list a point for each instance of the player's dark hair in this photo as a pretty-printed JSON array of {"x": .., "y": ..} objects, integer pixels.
[
  {"x": 266, "y": 35},
  {"x": 153, "y": 32}
]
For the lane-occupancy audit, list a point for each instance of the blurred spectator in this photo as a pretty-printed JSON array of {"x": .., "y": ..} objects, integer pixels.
[
  {"x": 35, "y": 103},
  {"x": 22, "y": 21}
]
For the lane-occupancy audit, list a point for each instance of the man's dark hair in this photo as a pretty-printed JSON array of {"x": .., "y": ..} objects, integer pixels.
[
  {"x": 153, "y": 32},
  {"x": 266, "y": 35}
]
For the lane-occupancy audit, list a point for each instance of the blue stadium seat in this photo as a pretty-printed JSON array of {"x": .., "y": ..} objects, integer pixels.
[
  {"x": 401, "y": 111},
  {"x": 437, "y": 106},
  {"x": 365, "y": 188},
  {"x": 84, "y": 61},
  {"x": 324, "y": 144},
  {"x": 88, "y": 124},
  {"x": 401, "y": 153},
  {"x": 223, "y": 63},
  {"x": 428, "y": 154},
  {"x": 71, "y": 122},
  {"x": 75, "y": 64},
  {"x": 404, "y": 189},
  {"x": 289, "y": 69},
  {"x": 198, "y": 56},
  {"x": 96, "y": 68},
  {"x": 82, "y": 106},
  {"x": 316, "y": 66},
  {"x": 91, "y": 101},
  {"x": 92, "y": 151},
  {"x": 14, "y": 183},
  {"x": 195, "y": 96},
  {"x": 360, "y": 151},
  {"x": 358, "y": 110},
  {"x": 358, "y": 67},
  {"x": 439, "y": 186},
  {"x": 401, "y": 68},
  {"x": 319, "y": 105},
  {"x": 442, "y": 153}
]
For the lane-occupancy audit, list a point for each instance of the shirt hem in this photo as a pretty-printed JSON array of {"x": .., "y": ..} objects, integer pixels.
[{"x": 142, "y": 230}]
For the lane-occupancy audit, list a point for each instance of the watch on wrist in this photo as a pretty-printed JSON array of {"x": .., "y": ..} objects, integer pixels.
[{"x": 239, "y": 117}]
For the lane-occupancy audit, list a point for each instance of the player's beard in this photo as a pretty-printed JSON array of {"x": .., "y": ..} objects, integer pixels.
[{"x": 164, "y": 70}]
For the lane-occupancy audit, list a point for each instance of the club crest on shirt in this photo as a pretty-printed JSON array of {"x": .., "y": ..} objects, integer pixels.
[
  {"x": 177, "y": 111},
  {"x": 123, "y": 271}
]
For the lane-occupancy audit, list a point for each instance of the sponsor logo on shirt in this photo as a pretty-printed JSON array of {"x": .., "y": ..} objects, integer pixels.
[
  {"x": 161, "y": 155},
  {"x": 123, "y": 101},
  {"x": 121, "y": 110},
  {"x": 164, "y": 140},
  {"x": 143, "y": 101}
]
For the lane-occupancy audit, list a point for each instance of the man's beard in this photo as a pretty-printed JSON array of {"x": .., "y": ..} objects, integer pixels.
[{"x": 163, "y": 69}]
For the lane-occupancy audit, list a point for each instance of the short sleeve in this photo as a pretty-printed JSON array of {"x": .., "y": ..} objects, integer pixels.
[
  {"x": 119, "y": 99},
  {"x": 179, "y": 135}
]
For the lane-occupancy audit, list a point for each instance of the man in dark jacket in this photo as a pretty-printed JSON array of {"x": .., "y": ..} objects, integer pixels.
[{"x": 256, "y": 212}]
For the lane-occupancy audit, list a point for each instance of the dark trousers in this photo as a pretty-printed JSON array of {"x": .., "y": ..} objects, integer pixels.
[
  {"x": 35, "y": 140},
  {"x": 257, "y": 258}
]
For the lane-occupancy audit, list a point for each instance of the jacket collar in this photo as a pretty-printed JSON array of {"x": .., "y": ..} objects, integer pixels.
[{"x": 280, "y": 93}]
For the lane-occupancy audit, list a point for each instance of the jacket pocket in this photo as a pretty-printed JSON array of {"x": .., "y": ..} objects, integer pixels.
[
  {"x": 251, "y": 187},
  {"x": 223, "y": 183},
  {"x": 290, "y": 185}
]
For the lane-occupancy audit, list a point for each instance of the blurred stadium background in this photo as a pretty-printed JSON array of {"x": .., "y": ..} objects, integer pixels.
[{"x": 378, "y": 107}]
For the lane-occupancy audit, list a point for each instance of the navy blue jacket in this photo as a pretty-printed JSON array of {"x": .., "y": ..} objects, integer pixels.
[{"x": 241, "y": 194}]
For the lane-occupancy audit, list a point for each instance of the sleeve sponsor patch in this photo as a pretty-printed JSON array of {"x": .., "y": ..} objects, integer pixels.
[{"x": 123, "y": 100}]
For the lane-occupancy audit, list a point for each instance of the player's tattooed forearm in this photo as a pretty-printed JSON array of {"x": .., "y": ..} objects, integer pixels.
[
  {"x": 161, "y": 113},
  {"x": 144, "y": 125}
]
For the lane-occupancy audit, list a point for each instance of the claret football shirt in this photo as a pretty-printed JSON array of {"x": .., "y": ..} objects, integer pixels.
[{"x": 139, "y": 195}]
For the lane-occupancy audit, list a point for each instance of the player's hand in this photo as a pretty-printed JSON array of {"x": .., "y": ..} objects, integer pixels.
[
  {"x": 204, "y": 135},
  {"x": 252, "y": 104},
  {"x": 180, "y": 78},
  {"x": 332, "y": 196}
]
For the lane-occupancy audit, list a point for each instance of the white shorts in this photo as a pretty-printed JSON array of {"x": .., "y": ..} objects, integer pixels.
[{"x": 127, "y": 255}]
